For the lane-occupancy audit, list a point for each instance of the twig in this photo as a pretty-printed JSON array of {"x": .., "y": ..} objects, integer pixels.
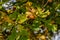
[{"x": 45, "y": 4}]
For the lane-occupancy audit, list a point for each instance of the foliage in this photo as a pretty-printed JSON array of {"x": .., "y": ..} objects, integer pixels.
[{"x": 29, "y": 19}]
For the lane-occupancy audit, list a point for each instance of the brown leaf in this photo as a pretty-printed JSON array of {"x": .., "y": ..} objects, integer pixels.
[{"x": 50, "y": 1}]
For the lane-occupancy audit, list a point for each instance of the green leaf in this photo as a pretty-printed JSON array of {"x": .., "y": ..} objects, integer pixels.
[
  {"x": 23, "y": 35},
  {"x": 14, "y": 15},
  {"x": 13, "y": 35},
  {"x": 21, "y": 18},
  {"x": 57, "y": 20}
]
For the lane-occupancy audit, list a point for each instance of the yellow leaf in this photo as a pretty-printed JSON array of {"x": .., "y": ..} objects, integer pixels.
[
  {"x": 42, "y": 37},
  {"x": 28, "y": 3},
  {"x": 9, "y": 11},
  {"x": 7, "y": 19},
  {"x": 43, "y": 16}
]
